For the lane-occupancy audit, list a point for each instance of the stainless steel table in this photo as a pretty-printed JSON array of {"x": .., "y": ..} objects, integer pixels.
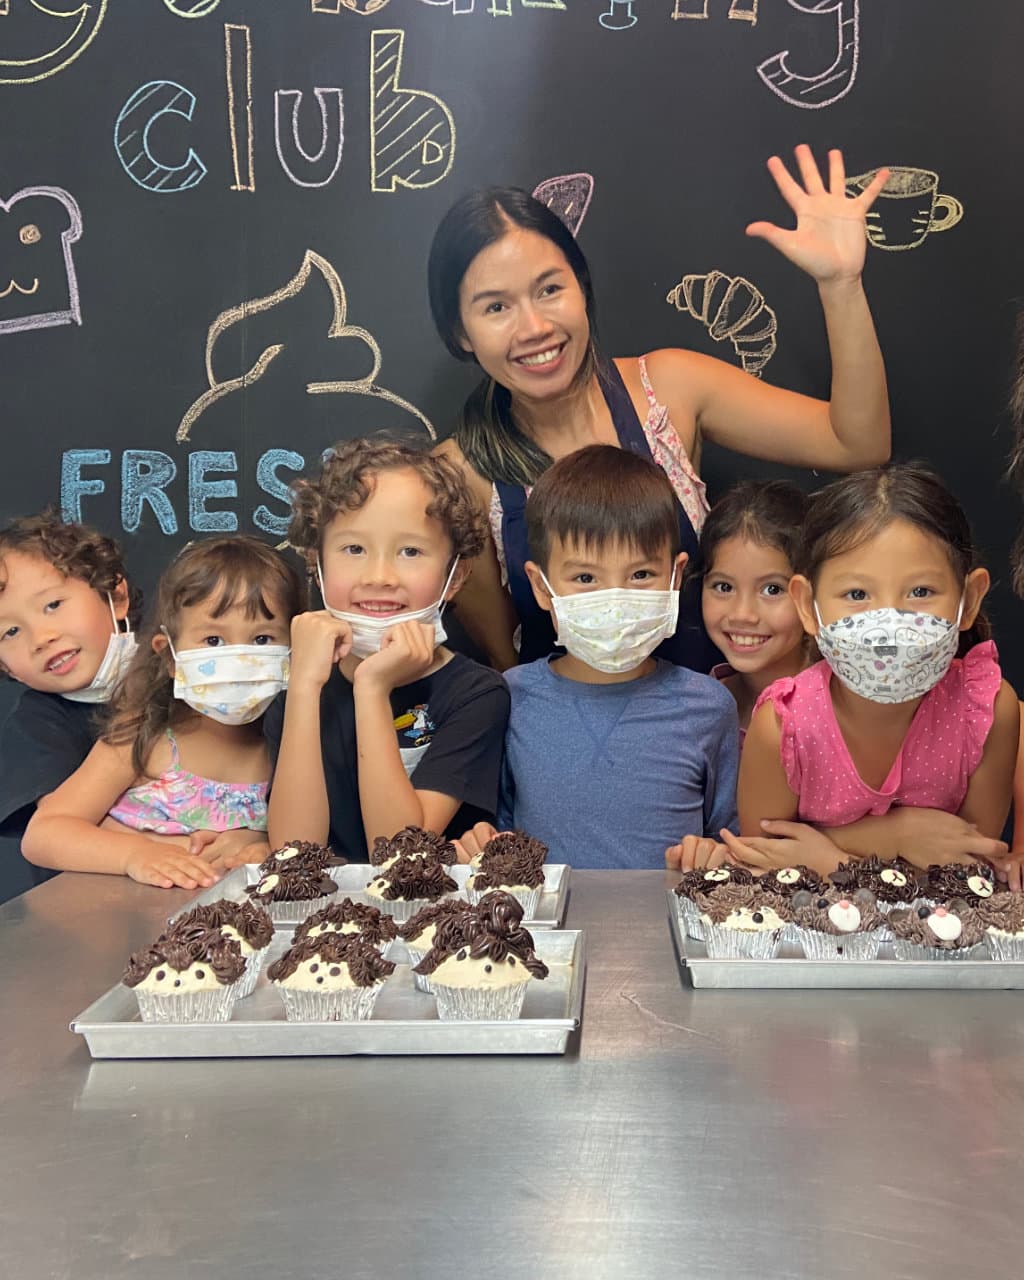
[{"x": 691, "y": 1134}]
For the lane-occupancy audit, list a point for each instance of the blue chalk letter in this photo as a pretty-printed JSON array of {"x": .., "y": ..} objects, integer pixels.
[
  {"x": 200, "y": 490},
  {"x": 270, "y": 482},
  {"x": 131, "y": 137},
  {"x": 145, "y": 473},
  {"x": 72, "y": 487}
]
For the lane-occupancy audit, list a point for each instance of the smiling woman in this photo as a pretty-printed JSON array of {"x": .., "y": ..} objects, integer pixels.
[{"x": 510, "y": 289}]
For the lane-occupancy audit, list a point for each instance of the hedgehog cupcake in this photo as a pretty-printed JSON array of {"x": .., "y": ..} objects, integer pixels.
[
  {"x": 349, "y": 918},
  {"x": 191, "y": 978},
  {"x": 408, "y": 885},
  {"x": 242, "y": 922},
  {"x": 334, "y": 977},
  {"x": 412, "y": 842},
  {"x": 419, "y": 930},
  {"x": 293, "y": 894},
  {"x": 299, "y": 855},
  {"x": 511, "y": 862}
]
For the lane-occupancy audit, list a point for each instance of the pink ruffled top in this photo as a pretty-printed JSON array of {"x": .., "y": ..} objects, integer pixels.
[{"x": 942, "y": 748}]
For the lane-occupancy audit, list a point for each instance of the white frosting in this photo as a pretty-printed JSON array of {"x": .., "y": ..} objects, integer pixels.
[
  {"x": 947, "y": 927},
  {"x": 284, "y": 855},
  {"x": 483, "y": 975},
  {"x": 980, "y": 886},
  {"x": 845, "y": 916},
  {"x": 229, "y": 931},
  {"x": 892, "y": 876},
  {"x": 161, "y": 980},
  {"x": 788, "y": 875},
  {"x": 424, "y": 940},
  {"x": 1003, "y": 933},
  {"x": 718, "y": 874},
  {"x": 327, "y": 927},
  {"x": 504, "y": 888},
  {"x": 268, "y": 883},
  {"x": 319, "y": 975},
  {"x": 376, "y": 887},
  {"x": 743, "y": 918}
]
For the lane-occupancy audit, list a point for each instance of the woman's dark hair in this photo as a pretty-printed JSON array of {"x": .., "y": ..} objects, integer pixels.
[
  {"x": 486, "y": 432},
  {"x": 1015, "y": 469},
  {"x": 768, "y": 512},
  {"x": 850, "y": 511}
]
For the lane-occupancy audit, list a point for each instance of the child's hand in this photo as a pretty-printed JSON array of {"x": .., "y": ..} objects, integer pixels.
[
  {"x": 930, "y": 836},
  {"x": 796, "y": 844},
  {"x": 1011, "y": 870},
  {"x": 406, "y": 653},
  {"x": 167, "y": 867},
  {"x": 696, "y": 853},
  {"x": 228, "y": 849},
  {"x": 319, "y": 643},
  {"x": 472, "y": 842}
]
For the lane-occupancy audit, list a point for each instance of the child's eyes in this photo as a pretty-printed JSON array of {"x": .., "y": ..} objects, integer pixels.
[
  {"x": 352, "y": 549},
  {"x": 213, "y": 641},
  {"x": 9, "y": 634},
  {"x": 856, "y": 594},
  {"x": 720, "y": 588},
  {"x": 774, "y": 589},
  {"x": 493, "y": 308},
  {"x": 54, "y": 604},
  {"x": 921, "y": 593},
  {"x": 263, "y": 638},
  {"x": 410, "y": 552},
  {"x": 584, "y": 579}
]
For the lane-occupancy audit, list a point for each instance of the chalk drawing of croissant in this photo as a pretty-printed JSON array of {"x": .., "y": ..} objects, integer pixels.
[{"x": 730, "y": 307}]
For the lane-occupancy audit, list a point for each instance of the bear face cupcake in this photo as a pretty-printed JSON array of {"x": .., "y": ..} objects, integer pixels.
[
  {"x": 788, "y": 881},
  {"x": 893, "y": 883},
  {"x": 950, "y": 932},
  {"x": 419, "y": 930},
  {"x": 333, "y": 977},
  {"x": 299, "y": 855},
  {"x": 511, "y": 862},
  {"x": 832, "y": 926},
  {"x": 349, "y": 918},
  {"x": 743, "y": 922},
  {"x": 706, "y": 881},
  {"x": 1002, "y": 916},
  {"x": 482, "y": 962},
  {"x": 408, "y": 885},
  {"x": 412, "y": 842},
  {"x": 242, "y": 922},
  {"x": 974, "y": 884},
  {"x": 190, "y": 978},
  {"x": 294, "y": 894}
]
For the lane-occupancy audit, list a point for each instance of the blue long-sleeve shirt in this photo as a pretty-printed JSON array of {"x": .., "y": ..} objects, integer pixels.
[{"x": 610, "y": 775}]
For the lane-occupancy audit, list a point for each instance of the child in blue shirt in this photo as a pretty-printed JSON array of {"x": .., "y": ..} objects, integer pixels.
[{"x": 612, "y": 755}]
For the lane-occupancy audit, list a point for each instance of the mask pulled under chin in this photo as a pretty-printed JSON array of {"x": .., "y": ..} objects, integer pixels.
[
  {"x": 233, "y": 684},
  {"x": 368, "y": 633},
  {"x": 615, "y": 629},
  {"x": 121, "y": 649},
  {"x": 890, "y": 655}
]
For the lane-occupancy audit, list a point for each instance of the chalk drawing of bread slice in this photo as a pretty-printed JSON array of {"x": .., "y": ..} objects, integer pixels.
[
  {"x": 730, "y": 307},
  {"x": 569, "y": 196}
]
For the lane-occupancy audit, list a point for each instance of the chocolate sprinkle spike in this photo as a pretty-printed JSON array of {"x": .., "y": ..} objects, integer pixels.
[
  {"x": 251, "y": 921},
  {"x": 491, "y": 932},
  {"x": 432, "y": 915},
  {"x": 374, "y": 926},
  {"x": 511, "y": 864},
  {"x": 310, "y": 857},
  {"x": 366, "y": 965},
  {"x": 515, "y": 844},
  {"x": 412, "y": 878},
  {"x": 300, "y": 885},
  {"x": 413, "y": 842},
  {"x": 223, "y": 955}
]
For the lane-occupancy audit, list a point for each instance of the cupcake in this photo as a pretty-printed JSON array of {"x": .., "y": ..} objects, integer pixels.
[
  {"x": 299, "y": 854},
  {"x": 293, "y": 894},
  {"x": 334, "y": 977},
  {"x": 408, "y": 885},
  {"x": 951, "y": 932},
  {"x": 349, "y": 918},
  {"x": 788, "y": 881},
  {"x": 242, "y": 922},
  {"x": 743, "y": 922},
  {"x": 893, "y": 883},
  {"x": 511, "y": 862},
  {"x": 186, "y": 979},
  {"x": 418, "y": 932},
  {"x": 973, "y": 883},
  {"x": 482, "y": 962},
  {"x": 707, "y": 880},
  {"x": 412, "y": 842},
  {"x": 1002, "y": 916},
  {"x": 832, "y": 926}
]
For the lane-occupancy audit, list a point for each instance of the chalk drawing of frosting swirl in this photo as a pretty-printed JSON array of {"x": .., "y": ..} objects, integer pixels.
[{"x": 730, "y": 307}]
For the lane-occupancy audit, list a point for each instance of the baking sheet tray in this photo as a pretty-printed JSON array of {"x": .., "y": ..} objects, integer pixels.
[
  {"x": 404, "y": 1020},
  {"x": 353, "y": 878},
  {"x": 791, "y": 970}
]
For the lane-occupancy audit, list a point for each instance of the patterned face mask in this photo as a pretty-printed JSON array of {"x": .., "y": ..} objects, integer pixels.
[
  {"x": 120, "y": 650},
  {"x": 890, "y": 655},
  {"x": 367, "y": 633},
  {"x": 232, "y": 684},
  {"x": 617, "y": 628}
]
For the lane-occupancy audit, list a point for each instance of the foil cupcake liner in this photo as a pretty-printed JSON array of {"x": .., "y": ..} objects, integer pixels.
[
  {"x": 528, "y": 899},
  {"x": 403, "y": 909},
  {"x": 296, "y": 912},
  {"x": 846, "y": 946},
  {"x": 473, "y": 1004},
  {"x": 253, "y": 964},
  {"x": 905, "y": 950},
  {"x": 1005, "y": 948},
  {"x": 724, "y": 943},
  {"x": 415, "y": 956},
  {"x": 689, "y": 915},
  {"x": 352, "y": 1004},
  {"x": 193, "y": 1006}
]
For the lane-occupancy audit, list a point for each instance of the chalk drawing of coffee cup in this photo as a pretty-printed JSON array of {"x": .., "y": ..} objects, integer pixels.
[{"x": 908, "y": 207}]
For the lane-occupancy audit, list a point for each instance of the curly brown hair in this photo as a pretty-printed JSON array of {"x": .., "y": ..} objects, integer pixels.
[
  {"x": 231, "y": 570},
  {"x": 346, "y": 482}
]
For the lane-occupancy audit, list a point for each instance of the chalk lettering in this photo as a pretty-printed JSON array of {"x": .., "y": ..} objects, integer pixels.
[
  {"x": 836, "y": 81},
  {"x": 77, "y": 31},
  {"x": 412, "y": 132},
  {"x": 271, "y": 483},
  {"x": 145, "y": 474},
  {"x": 131, "y": 137},
  {"x": 323, "y": 163},
  {"x": 73, "y": 486},
  {"x": 238, "y": 76},
  {"x": 201, "y": 490}
]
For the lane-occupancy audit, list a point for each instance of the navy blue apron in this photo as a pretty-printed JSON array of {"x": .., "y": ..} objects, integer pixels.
[{"x": 690, "y": 646}]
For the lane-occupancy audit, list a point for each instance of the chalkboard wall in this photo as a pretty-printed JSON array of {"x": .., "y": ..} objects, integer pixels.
[{"x": 163, "y": 162}]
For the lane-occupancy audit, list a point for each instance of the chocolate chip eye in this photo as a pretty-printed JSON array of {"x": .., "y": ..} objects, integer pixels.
[
  {"x": 758, "y": 918},
  {"x": 822, "y": 903},
  {"x": 200, "y": 974},
  {"x": 511, "y": 960},
  {"x": 924, "y": 912},
  {"x": 334, "y": 971},
  {"x": 160, "y": 975},
  {"x": 487, "y": 968},
  {"x": 320, "y": 979},
  {"x": 177, "y": 982},
  {"x": 313, "y": 968},
  {"x": 461, "y": 955}
]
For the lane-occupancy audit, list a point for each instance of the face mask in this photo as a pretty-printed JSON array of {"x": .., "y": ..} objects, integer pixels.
[
  {"x": 615, "y": 629},
  {"x": 120, "y": 650},
  {"x": 367, "y": 633},
  {"x": 890, "y": 655},
  {"x": 233, "y": 684}
]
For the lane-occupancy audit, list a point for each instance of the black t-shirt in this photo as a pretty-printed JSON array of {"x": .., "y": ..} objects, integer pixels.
[
  {"x": 42, "y": 742},
  {"x": 451, "y": 732}
]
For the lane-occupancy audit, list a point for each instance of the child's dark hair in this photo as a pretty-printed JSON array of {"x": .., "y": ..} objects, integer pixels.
[
  {"x": 600, "y": 495},
  {"x": 75, "y": 550},
  {"x": 848, "y": 512},
  {"x": 236, "y": 570},
  {"x": 346, "y": 482},
  {"x": 486, "y": 433},
  {"x": 770, "y": 513}
]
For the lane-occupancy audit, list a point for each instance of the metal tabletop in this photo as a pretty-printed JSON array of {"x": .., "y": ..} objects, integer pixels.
[{"x": 687, "y": 1134}]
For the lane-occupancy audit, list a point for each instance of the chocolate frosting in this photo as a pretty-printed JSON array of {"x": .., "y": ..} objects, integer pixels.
[
  {"x": 1002, "y": 911},
  {"x": 514, "y": 844},
  {"x": 493, "y": 931},
  {"x": 412, "y": 878},
  {"x": 815, "y": 916},
  {"x": 374, "y": 926},
  {"x": 251, "y": 921},
  {"x": 866, "y": 873},
  {"x": 310, "y": 857},
  {"x": 179, "y": 952},
  {"x": 366, "y": 965},
  {"x": 299, "y": 885},
  {"x": 950, "y": 881},
  {"x": 413, "y": 842},
  {"x": 427, "y": 916},
  {"x": 511, "y": 865},
  {"x": 807, "y": 879},
  {"x": 694, "y": 882},
  {"x": 911, "y": 926},
  {"x": 720, "y": 905}
]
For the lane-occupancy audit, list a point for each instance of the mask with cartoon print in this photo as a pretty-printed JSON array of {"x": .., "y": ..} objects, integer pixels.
[{"x": 233, "y": 684}]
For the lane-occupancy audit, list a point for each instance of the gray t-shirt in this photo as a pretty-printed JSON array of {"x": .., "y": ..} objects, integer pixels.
[{"x": 610, "y": 775}]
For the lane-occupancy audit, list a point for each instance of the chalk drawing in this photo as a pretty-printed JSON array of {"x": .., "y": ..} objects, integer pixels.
[
  {"x": 325, "y": 162},
  {"x": 836, "y": 81},
  {"x": 619, "y": 16},
  {"x": 191, "y": 8},
  {"x": 131, "y": 138},
  {"x": 339, "y": 328},
  {"x": 78, "y": 31},
  {"x": 365, "y": 7},
  {"x": 4, "y": 8},
  {"x": 739, "y": 10},
  {"x": 502, "y": 8},
  {"x": 24, "y": 267},
  {"x": 412, "y": 132},
  {"x": 569, "y": 196},
  {"x": 238, "y": 46},
  {"x": 730, "y": 307},
  {"x": 907, "y": 208}
]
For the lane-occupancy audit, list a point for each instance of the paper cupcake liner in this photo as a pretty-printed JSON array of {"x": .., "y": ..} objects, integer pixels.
[
  {"x": 471, "y": 1004},
  {"x": 846, "y": 946},
  {"x": 296, "y": 912},
  {"x": 689, "y": 915},
  {"x": 253, "y": 965},
  {"x": 415, "y": 956},
  {"x": 905, "y": 950},
  {"x": 352, "y": 1004},
  {"x": 724, "y": 943},
  {"x": 194, "y": 1006},
  {"x": 528, "y": 899},
  {"x": 1005, "y": 948},
  {"x": 404, "y": 909}
]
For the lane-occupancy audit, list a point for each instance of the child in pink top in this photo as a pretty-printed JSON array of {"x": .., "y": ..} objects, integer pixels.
[{"x": 903, "y": 739}]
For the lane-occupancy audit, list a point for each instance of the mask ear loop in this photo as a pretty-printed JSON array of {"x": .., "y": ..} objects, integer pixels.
[
  {"x": 170, "y": 643},
  {"x": 117, "y": 626},
  {"x": 442, "y": 603},
  {"x": 320, "y": 581}
]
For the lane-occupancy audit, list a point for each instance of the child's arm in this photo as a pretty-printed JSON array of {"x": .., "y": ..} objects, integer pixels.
[
  {"x": 990, "y": 789},
  {"x": 763, "y": 790},
  {"x": 65, "y": 831}
]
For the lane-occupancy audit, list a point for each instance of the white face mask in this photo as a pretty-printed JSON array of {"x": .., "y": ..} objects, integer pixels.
[
  {"x": 890, "y": 655},
  {"x": 120, "y": 650},
  {"x": 232, "y": 684},
  {"x": 615, "y": 629},
  {"x": 367, "y": 633}
]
